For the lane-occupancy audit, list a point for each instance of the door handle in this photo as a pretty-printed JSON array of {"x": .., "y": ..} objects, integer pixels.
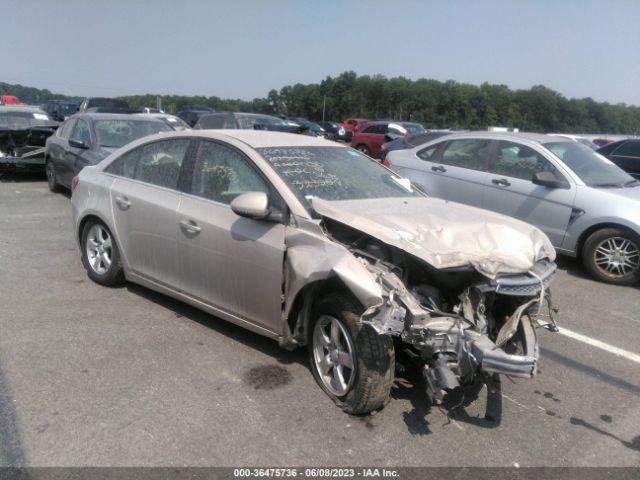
[
  {"x": 503, "y": 182},
  {"x": 439, "y": 168},
  {"x": 190, "y": 226},
  {"x": 123, "y": 202}
]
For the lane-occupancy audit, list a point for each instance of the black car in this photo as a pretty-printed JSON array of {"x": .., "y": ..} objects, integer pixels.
[
  {"x": 60, "y": 109},
  {"x": 410, "y": 141},
  {"x": 625, "y": 154},
  {"x": 87, "y": 138},
  {"x": 310, "y": 128},
  {"x": 247, "y": 121},
  {"x": 336, "y": 131},
  {"x": 104, "y": 105},
  {"x": 192, "y": 114},
  {"x": 23, "y": 132}
]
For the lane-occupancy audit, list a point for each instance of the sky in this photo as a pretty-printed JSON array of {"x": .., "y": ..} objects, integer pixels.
[{"x": 244, "y": 48}]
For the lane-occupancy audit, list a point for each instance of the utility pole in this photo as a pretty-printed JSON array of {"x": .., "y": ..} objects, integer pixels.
[{"x": 324, "y": 105}]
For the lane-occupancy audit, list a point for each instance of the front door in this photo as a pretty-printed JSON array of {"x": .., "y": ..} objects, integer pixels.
[
  {"x": 230, "y": 262},
  {"x": 511, "y": 191}
]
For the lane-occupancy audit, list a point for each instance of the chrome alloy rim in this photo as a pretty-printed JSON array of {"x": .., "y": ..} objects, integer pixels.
[
  {"x": 99, "y": 249},
  {"x": 334, "y": 355},
  {"x": 617, "y": 257}
]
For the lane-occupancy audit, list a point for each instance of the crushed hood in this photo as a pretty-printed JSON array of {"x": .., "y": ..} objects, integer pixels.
[{"x": 445, "y": 234}]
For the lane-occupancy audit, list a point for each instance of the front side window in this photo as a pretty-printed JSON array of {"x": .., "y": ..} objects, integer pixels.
[
  {"x": 65, "y": 131},
  {"x": 221, "y": 173},
  {"x": 82, "y": 132},
  {"x": 467, "y": 153},
  {"x": 592, "y": 168},
  {"x": 159, "y": 163},
  {"x": 117, "y": 133},
  {"x": 371, "y": 129},
  {"x": 520, "y": 161},
  {"x": 334, "y": 173}
]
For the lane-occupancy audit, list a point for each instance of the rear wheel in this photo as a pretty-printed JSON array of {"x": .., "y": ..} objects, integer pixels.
[
  {"x": 351, "y": 362},
  {"x": 52, "y": 179},
  {"x": 100, "y": 254},
  {"x": 612, "y": 255},
  {"x": 364, "y": 149}
]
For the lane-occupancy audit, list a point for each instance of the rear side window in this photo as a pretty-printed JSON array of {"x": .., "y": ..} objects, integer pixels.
[
  {"x": 467, "y": 153},
  {"x": 221, "y": 173},
  {"x": 157, "y": 163},
  {"x": 628, "y": 149},
  {"x": 520, "y": 161}
]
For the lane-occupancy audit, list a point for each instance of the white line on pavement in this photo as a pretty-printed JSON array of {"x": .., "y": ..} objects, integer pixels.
[{"x": 634, "y": 357}]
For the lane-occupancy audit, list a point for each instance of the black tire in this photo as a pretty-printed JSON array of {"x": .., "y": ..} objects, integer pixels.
[
  {"x": 374, "y": 355},
  {"x": 52, "y": 178},
  {"x": 114, "y": 274},
  {"x": 591, "y": 249},
  {"x": 364, "y": 149}
]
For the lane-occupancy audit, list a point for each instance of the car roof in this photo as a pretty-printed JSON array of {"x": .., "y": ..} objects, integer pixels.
[
  {"x": 533, "y": 137},
  {"x": 112, "y": 116},
  {"x": 259, "y": 138},
  {"x": 24, "y": 108}
]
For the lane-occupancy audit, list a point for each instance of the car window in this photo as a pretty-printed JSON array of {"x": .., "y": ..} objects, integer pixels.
[
  {"x": 352, "y": 122},
  {"x": 115, "y": 133},
  {"x": 221, "y": 173},
  {"x": 66, "y": 129},
  {"x": 520, "y": 161},
  {"x": 371, "y": 129},
  {"x": 428, "y": 153},
  {"x": 628, "y": 149},
  {"x": 466, "y": 153},
  {"x": 81, "y": 132},
  {"x": 160, "y": 162},
  {"x": 125, "y": 165}
]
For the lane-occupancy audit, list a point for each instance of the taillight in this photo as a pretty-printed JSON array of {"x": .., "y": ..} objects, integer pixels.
[
  {"x": 386, "y": 162},
  {"x": 74, "y": 183}
]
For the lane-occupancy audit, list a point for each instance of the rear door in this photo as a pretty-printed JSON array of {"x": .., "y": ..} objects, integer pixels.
[
  {"x": 145, "y": 200},
  {"x": 230, "y": 262},
  {"x": 510, "y": 190},
  {"x": 456, "y": 171}
]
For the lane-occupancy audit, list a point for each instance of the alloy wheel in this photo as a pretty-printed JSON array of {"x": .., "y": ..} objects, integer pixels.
[
  {"x": 334, "y": 355},
  {"x": 99, "y": 249},
  {"x": 617, "y": 257}
]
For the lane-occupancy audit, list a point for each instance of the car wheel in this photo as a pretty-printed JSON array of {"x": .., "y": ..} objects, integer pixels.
[
  {"x": 52, "y": 179},
  {"x": 364, "y": 149},
  {"x": 351, "y": 362},
  {"x": 612, "y": 255},
  {"x": 100, "y": 254}
]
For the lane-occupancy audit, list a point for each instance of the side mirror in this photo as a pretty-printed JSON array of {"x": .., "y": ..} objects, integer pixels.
[
  {"x": 548, "y": 179},
  {"x": 78, "y": 144},
  {"x": 253, "y": 205}
]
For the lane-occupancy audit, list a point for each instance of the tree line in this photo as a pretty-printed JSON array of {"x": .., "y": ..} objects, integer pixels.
[{"x": 433, "y": 103}]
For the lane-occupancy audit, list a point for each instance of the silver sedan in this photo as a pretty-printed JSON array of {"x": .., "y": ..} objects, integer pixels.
[
  {"x": 312, "y": 243},
  {"x": 588, "y": 207}
]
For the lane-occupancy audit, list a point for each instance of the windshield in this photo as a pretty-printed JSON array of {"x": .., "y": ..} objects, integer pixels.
[
  {"x": 334, "y": 173},
  {"x": 68, "y": 108},
  {"x": 107, "y": 103},
  {"x": 592, "y": 168},
  {"x": 20, "y": 120},
  {"x": 587, "y": 143},
  {"x": 116, "y": 133},
  {"x": 176, "y": 123},
  {"x": 414, "y": 127}
]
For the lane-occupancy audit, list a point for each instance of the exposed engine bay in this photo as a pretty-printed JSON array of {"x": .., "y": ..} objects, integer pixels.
[{"x": 456, "y": 322}]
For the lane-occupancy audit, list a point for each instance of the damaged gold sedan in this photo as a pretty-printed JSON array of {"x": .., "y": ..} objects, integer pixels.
[{"x": 314, "y": 244}]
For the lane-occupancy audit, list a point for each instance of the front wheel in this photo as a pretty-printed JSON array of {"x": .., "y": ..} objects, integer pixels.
[
  {"x": 612, "y": 255},
  {"x": 364, "y": 149},
  {"x": 100, "y": 254},
  {"x": 351, "y": 362}
]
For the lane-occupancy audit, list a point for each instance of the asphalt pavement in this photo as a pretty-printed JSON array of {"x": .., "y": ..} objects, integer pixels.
[{"x": 125, "y": 376}]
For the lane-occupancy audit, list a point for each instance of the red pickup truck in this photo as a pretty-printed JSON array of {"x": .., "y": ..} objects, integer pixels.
[{"x": 11, "y": 100}]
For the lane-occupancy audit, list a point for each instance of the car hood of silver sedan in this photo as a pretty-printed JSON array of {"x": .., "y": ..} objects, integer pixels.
[{"x": 445, "y": 234}]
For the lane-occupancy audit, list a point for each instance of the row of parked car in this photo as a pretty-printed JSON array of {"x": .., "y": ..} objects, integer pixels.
[{"x": 581, "y": 199}]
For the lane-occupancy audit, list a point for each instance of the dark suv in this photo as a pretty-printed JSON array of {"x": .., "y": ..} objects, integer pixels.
[{"x": 60, "y": 109}]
